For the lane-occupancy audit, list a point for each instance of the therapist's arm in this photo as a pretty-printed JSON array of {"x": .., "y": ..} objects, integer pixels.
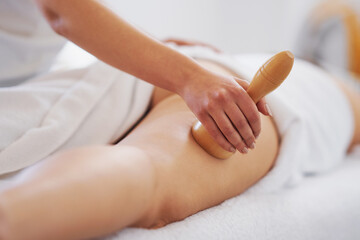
[{"x": 222, "y": 105}]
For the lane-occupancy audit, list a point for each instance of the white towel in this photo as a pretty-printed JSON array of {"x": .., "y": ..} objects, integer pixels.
[{"x": 94, "y": 105}]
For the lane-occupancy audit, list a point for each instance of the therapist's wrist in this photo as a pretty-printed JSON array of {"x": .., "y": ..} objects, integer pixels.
[
  {"x": 190, "y": 74},
  {"x": 174, "y": 70}
]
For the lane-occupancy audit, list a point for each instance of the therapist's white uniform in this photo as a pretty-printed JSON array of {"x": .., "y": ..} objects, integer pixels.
[{"x": 28, "y": 45}]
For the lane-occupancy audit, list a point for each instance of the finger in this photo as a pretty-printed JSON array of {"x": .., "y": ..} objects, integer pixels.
[
  {"x": 242, "y": 82},
  {"x": 216, "y": 134},
  {"x": 230, "y": 133},
  {"x": 263, "y": 107},
  {"x": 241, "y": 124},
  {"x": 250, "y": 112},
  {"x": 248, "y": 107}
]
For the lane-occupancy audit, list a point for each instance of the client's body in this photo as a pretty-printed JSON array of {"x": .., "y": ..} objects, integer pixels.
[{"x": 155, "y": 175}]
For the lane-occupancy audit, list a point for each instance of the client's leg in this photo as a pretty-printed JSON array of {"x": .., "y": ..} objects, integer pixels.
[{"x": 79, "y": 194}]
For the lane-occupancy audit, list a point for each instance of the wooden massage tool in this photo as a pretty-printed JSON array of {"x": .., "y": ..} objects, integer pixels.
[{"x": 268, "y": 77}]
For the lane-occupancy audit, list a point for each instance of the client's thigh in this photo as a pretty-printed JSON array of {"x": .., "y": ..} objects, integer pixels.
[{"x": 189, "y": 179}]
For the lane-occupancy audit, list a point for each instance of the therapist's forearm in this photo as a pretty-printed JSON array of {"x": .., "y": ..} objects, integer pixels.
[{"x": 99, "y": 31}]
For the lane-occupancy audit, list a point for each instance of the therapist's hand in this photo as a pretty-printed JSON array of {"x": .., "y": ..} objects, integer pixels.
[{"x": 223, "y": 106}]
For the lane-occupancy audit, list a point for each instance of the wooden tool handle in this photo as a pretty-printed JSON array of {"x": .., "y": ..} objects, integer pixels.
[{"x": 269, "y": 76}]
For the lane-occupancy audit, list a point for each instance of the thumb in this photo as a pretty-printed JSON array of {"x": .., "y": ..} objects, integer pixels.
[{"x": 263, "y": 107}]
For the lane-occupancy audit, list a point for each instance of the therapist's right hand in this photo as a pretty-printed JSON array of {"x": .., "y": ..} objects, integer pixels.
[{"x": 225, "y": 109}]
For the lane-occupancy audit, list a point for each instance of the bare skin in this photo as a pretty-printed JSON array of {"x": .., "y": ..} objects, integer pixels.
[{"x": 151, "y": 178}]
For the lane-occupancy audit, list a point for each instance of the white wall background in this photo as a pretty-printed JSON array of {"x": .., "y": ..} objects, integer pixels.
[{"x": 233, "y": 25}]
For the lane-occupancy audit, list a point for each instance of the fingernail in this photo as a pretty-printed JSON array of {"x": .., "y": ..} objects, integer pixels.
[
  {"x": 252, "y": 146},
  {"x": 244, "y": 150},
  {"x": 232, "y": 149},
  {"x": 268, "y": 109}
]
